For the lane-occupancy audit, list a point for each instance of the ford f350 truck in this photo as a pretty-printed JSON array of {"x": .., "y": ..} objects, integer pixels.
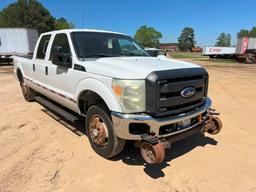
[{"x": 122, "y": 92}]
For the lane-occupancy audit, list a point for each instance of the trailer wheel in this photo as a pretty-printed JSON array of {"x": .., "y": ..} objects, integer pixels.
[
  {"x": 28, "y": 93},
  {"x": 100, "y": 132}
]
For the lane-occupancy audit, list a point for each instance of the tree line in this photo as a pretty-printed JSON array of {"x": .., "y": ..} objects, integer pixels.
[
  {"x": 150, "y": 37},
  {"x": 224, "y": 39},
  {"x": 31, "y": 14}
]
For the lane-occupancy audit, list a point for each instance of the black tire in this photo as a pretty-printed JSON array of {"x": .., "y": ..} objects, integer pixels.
[
  {"x": 114, "y": 145},
  {"x": 28, "y": 93}
]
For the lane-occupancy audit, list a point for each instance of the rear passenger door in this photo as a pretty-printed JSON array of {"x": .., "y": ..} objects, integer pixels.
[{"x": 39, "y": 64}]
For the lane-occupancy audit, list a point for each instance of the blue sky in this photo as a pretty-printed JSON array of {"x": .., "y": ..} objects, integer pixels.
[{"x": 207, "y": 17}]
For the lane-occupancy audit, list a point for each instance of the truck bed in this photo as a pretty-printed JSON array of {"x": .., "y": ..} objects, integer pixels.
[{"x": 25, "y": 56}]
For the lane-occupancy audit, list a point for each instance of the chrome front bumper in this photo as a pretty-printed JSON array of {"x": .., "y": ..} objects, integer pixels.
[{"x": 122, "y": 121}]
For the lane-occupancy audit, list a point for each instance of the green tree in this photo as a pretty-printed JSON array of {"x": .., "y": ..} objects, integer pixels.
[
  {"x": 224, "y": 40},
  {"x": 30, "y": 14},
  {"x": 243, "y": 33},
  {"x": 187, "y": 39},
  {"x": 252, "y": 33},
  {"x": 148, "y": 36},
  {"x": 62, "y": 23}
]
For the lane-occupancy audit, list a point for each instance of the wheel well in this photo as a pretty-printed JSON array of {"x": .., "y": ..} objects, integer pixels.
[
  {"x": 19, "y": 75},
  {"x": 89, "y": 98}
]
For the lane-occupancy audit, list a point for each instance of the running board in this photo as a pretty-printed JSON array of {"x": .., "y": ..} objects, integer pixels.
[{"x": 53, "y": 107}]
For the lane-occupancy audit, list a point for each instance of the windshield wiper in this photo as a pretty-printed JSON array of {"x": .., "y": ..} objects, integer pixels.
[
  {"x": 107, "y": 55},
  {"x": 102, "y": 55},
  {"x": 134, "y": 54}
]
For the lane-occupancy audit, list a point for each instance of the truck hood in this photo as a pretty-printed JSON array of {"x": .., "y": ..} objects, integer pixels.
[{"x": 133, "y": 67}]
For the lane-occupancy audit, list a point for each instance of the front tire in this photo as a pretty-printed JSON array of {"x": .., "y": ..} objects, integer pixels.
[
  {"x": 28, "y": 93},
  {"x": 100, "y": 131}
]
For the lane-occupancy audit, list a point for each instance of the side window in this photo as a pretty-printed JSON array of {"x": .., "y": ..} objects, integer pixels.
[
  {"x": 42, "y": 47},
  {"x": 61, "y": 40}
]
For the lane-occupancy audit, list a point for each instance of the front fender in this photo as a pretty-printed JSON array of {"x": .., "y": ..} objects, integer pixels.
[{"x": 101, "y": 89}]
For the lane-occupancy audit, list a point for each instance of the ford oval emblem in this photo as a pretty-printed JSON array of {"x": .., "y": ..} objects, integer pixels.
[{"x": 188, "y": 92}]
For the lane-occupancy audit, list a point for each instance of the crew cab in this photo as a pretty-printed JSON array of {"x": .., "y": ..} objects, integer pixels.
[{"x": 120, "y": 91}]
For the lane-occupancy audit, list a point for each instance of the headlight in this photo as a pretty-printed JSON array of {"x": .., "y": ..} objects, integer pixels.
[{"x": 131, "y": 94}]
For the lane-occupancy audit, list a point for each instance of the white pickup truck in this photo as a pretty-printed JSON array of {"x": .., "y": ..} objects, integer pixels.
[{"x": 122, "y": 92}]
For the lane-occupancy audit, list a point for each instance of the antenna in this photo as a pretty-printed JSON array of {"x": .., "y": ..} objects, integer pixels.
[{"x": 83, "y": 13}]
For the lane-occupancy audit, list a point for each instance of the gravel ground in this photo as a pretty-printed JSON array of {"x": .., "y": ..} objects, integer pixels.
[{"x": 38, "y": 153}]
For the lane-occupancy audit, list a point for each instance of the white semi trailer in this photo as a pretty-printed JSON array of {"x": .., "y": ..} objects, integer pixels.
[
  {"x": 17, "y": 41},
  {"x": 244, "y": 52},
  {"x": 219, "y": 52}
]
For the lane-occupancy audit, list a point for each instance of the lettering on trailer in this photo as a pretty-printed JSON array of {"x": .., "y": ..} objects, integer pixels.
[
  {"x": 215, "y": 50},
  {"x": 245, "y": 44}
]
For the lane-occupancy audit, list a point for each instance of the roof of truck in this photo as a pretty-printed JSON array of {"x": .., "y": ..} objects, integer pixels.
[{"x": 81, "y": 30}]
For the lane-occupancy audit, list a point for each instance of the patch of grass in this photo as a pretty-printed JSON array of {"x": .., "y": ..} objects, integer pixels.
[{"x": 184, "y": 55}]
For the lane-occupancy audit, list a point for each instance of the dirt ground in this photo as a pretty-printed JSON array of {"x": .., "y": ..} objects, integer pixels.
[{"x": 37, "y": 153}]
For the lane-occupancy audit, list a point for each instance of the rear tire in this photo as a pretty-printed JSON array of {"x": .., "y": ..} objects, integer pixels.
[
  {"x": 100, "y": 132},
  {"x": 28, "y": 93}
]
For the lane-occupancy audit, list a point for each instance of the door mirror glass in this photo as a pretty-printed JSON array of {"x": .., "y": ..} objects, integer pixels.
[{"x": 60, "y": 58}]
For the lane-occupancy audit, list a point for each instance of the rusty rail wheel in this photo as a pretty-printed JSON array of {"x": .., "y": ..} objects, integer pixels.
[
  {"x": 214, "y": 126},
  {"x": 151, "y": 153}
]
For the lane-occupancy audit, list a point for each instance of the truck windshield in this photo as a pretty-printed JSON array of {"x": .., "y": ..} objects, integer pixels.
[{"x": 96, "y": 45}]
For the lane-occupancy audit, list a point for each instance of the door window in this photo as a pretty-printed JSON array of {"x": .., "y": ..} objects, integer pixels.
[
  {"x": 42, "y": 47},
  {"x": 61, "y": 40}
]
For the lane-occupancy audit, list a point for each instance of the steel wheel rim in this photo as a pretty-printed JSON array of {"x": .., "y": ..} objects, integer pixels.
[
  {"x": 218, "y": 124},
  {"x": 98, "y": 131},
  {"x": 148, "y": 153},
  {"x": 151, "y": 153}
]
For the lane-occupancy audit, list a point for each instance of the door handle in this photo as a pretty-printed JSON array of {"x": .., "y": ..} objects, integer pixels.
[
  {"x": 34, "y": 67},
  {"x": 46, "y": 70}
]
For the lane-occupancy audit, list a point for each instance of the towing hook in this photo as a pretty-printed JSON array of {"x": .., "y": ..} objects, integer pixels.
[{"x": 212, "y": 126}]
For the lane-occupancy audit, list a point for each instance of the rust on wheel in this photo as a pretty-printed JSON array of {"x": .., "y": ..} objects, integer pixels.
[
  {"x": 217, "y": 125},
  {"x": 152, "y": 154},
  {"x": 98, "y": 131}
]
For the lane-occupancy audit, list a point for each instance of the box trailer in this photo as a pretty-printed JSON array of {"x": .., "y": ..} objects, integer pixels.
[
  {"x": 246, "y": 50},
  {"x": 219, "y": 52},
  {"x": 17, "y": 41}
]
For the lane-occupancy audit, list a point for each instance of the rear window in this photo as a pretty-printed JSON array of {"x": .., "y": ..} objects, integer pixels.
[{"x": 42, "y": 48}]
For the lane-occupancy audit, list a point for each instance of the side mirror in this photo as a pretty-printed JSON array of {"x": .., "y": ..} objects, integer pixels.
[{"x": 60, "y": 58}]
